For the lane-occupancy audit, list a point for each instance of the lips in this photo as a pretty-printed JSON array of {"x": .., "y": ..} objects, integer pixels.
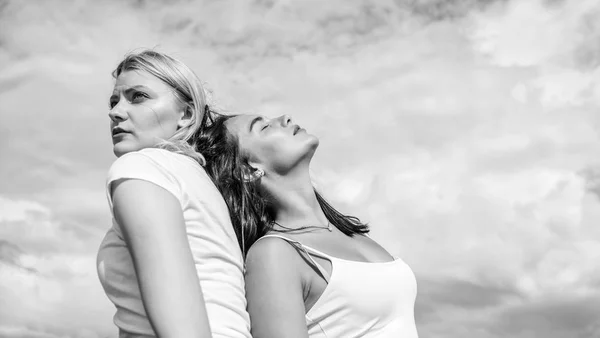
[
  {"x": 296, "y": 128},
  {"x": 118, "y": 130}
]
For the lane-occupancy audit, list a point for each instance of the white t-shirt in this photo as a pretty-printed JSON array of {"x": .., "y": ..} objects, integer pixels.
[{"x": 212, "y": 240}]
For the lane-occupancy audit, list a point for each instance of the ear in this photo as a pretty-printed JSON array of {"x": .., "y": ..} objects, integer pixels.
[
  {"x": 252, "y": 174},
  {"x": 186, "y": 117}
]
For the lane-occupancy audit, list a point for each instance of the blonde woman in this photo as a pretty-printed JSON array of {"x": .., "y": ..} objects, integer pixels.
[{"x": 170, "y": 263}]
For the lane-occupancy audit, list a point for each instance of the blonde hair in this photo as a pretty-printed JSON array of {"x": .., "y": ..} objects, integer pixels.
[{"x": 187, "y": 88}]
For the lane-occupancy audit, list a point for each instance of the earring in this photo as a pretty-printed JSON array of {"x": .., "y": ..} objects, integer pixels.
[{"x": 259, "y": 173}]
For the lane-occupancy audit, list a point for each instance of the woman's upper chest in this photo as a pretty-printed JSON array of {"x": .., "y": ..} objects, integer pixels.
[{"x": 359, "y": 248}]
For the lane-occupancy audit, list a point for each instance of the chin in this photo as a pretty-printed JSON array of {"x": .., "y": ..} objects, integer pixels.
[
  {"x": 312, "y": 148},
  {"x": 312, "y": 145},
  {"x": 314, "y": 141},
  {"x": 122, "y": 148}
]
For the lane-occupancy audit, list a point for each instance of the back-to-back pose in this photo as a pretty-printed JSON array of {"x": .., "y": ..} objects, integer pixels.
[{"x": 310, "y": 270}]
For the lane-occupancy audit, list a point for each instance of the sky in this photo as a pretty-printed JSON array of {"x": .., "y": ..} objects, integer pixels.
[{"x": 466, "y": 133}]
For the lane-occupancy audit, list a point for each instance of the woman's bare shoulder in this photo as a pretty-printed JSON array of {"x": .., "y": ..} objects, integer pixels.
[{"x": 272, "y": 255}]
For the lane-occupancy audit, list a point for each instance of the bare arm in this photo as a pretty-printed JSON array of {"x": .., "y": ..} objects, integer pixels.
[
  {"x": 152, "y": 222},
  {"x": 274, "y": 291}
]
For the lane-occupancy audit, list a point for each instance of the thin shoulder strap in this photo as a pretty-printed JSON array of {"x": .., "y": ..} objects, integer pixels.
[{"x": 308, "y": 253}]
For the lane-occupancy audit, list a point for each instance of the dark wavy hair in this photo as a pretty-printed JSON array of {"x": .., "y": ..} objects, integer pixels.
[{"x": 251, "y": 212}]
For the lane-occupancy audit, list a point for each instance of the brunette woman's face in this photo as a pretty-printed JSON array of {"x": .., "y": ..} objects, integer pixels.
[
  {"x": 274, "y": 145},
  {"x": 143, "y": 112}
]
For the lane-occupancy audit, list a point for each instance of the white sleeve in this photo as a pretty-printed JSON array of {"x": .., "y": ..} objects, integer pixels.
[{"x": 147, "y": 166}]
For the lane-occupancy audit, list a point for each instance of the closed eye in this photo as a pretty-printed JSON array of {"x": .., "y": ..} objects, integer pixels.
[
  {"x": 254, "y": 121},
  {"x": 265, "y": 126}
]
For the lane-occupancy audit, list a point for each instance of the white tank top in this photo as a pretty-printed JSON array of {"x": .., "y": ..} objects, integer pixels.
[{"x": 362, "y": 299}]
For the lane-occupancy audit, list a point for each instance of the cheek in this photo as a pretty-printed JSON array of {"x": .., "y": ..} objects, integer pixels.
[
  {"x": 160, "y": 116},
  {"x": 143, "y": 117},
  {"x": 259, "y": 150},
  {"x": 274, "y": 151},
  {"x": 279, "y": 151},
  {"x": 275, "y": 145}
]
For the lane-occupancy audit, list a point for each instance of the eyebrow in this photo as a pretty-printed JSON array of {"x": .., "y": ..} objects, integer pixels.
[
  {"x": 254, "y": 120},
  {"x": 136, "y": 87}
]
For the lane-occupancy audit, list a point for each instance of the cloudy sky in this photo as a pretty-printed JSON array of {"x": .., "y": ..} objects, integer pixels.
[{"x": 466, "y": 132}]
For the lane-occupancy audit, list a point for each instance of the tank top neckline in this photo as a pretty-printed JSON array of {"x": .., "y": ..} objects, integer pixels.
[{"x": 332, "y": 258}]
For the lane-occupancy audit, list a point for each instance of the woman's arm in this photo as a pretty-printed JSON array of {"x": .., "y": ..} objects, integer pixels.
[
  {"x": 274, "y": 290},
  {"x": 152, "y": 223}
]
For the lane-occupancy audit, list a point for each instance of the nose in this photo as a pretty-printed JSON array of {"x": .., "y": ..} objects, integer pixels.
[
  {"x": 117, "y": 113},
  {"x": 286, "y": 120}
]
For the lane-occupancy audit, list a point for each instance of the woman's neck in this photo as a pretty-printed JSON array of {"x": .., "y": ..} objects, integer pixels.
[{"x": 295, "y": 202}]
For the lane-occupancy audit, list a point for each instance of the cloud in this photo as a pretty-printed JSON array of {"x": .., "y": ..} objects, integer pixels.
[
  {"x": 58, "y": 296},
  {"x": 561, "y": 40},
  {"x": 465, "y": 132},
  {"x": 15, "y": 211},
  {"x": 10, "y": 254},
  {"x": 14, "y": 332},
  {"x": 48, "y": 282},
  {"x": 445, "y": 10},
  {"x": 558, "y": 316},
  {"x": 592, "y": 178},
  {"x": 440, "y": 296}
]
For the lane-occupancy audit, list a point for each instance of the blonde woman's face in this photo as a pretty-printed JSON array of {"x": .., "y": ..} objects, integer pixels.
[{"x": 143, "y": 112}]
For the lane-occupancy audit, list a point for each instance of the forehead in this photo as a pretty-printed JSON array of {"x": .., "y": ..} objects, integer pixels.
[{"x": 131, "y": 78}]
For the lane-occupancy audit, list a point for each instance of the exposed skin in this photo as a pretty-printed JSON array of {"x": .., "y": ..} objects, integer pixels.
[
  {"x": 146, "y": 111},
  {"x": 279, "y": 282}
]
